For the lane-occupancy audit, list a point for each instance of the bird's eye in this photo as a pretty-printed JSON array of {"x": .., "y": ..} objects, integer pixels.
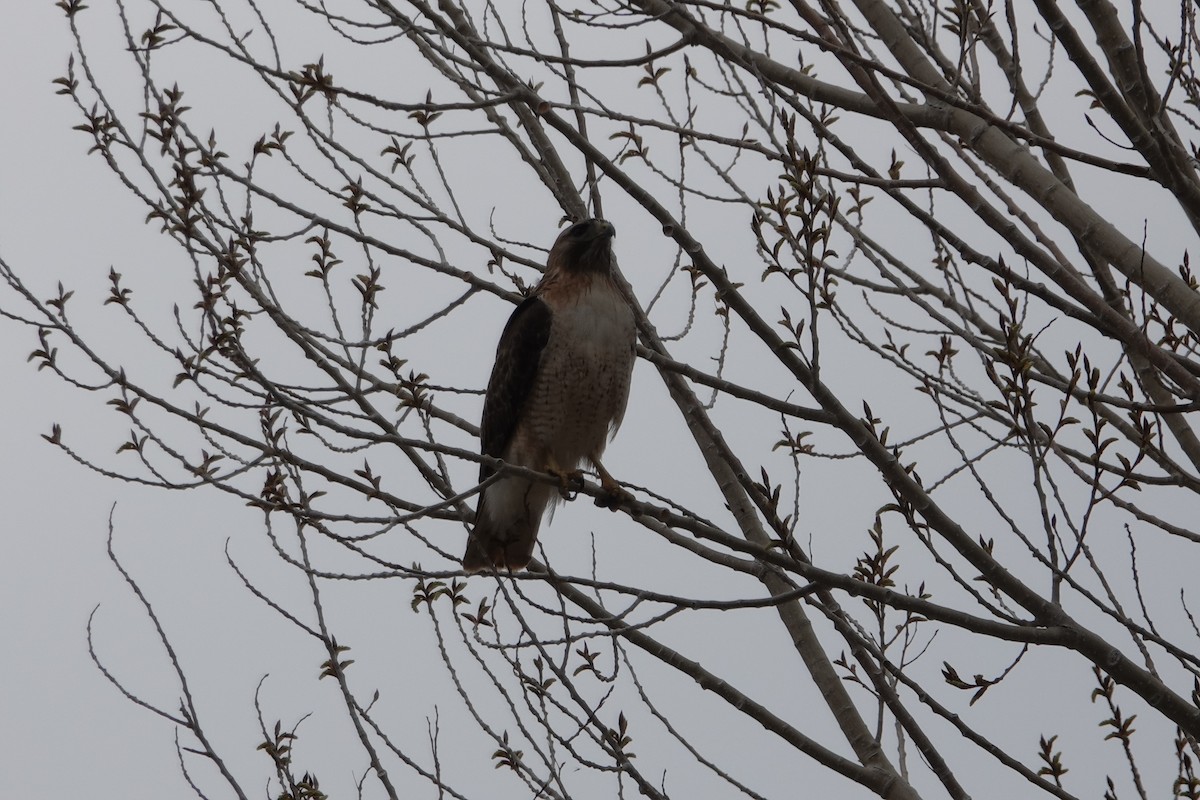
[{"x": 578, "y": 230}]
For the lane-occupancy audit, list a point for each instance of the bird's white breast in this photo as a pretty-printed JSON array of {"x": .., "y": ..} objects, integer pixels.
[{"x": 582, "y": 384}]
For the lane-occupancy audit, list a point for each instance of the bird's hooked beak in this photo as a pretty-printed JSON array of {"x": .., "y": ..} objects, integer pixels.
[
  {"x": 604, "y": 230},
  {"x": 586, "y": 246}
]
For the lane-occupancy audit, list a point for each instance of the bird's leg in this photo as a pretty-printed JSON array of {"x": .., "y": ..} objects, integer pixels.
[
  {"x": 613, "y": 495},
  {"x": 569, "y": 481}
]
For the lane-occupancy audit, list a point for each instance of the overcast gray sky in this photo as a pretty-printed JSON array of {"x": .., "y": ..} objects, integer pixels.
[{"x": 64, "y": 730}]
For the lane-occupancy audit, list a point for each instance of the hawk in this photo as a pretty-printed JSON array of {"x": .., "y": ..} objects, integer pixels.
[{"x": 557, "y": 393}]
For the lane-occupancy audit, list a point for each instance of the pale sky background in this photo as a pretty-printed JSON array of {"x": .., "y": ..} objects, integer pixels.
[{"x": 64, "y": 731}]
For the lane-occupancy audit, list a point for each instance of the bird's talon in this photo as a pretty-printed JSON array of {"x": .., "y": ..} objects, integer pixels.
[
  {"x": 569, "y": 483},
  {"x": 613, "y": 498}
]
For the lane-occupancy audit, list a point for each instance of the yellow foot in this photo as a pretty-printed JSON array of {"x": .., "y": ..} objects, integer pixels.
[
  {"x": 614, "y": 496},
  {"x": 569, "y": 483}
]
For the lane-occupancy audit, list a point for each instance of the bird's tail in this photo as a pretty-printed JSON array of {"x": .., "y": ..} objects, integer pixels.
[{"x": 506, "y": 525}]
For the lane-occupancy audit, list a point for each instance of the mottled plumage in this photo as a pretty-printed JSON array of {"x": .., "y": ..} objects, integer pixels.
[{"x": 558, "y": 391}]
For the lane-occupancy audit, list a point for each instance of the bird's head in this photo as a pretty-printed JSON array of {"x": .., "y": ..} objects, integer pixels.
[{"x": 583, "y": 247}]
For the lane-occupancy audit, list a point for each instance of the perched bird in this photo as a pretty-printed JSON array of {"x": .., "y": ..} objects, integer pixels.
[{"x": 557, "y": 393}]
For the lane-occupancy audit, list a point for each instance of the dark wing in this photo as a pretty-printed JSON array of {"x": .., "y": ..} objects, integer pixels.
[{"x": 517, "y": 358}]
